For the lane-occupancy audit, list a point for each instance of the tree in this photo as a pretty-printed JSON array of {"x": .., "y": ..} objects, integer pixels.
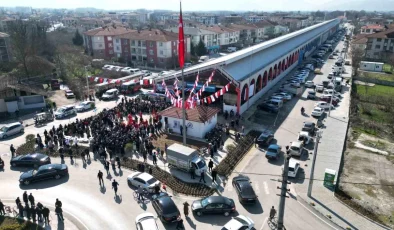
[
  {"x": 200, "y": 49},
  {"x": 356, "y": 54},
  {"x": 78, "y": 39},
  {"x": 192, "y": 49}
]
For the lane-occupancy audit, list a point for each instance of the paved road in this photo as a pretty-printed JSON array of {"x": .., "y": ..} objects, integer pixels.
[{"x": 99, "y": 209}]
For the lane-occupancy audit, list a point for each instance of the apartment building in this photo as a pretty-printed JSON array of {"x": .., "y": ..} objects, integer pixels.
[
  {"x": 247, "y": 33},
  {"x": 5, "y": 23},
  {"x": 255, "y": 18},
  {"x": 266, "y": 29},
  {"x": 225, "y": 36},
  {"x": 5, "y": 48},
  {"x": 196, "y": 34},
  {"x": 380, "y": 45},
  {"x": 371, "y": 28},
  {"x": 154, "y": 48},
  {"x": 203, "y": 19},
  {"x": 70, "y": 22}
]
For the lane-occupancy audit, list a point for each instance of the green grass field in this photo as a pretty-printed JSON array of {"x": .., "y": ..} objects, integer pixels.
[
  {"x": 378, "y": 90},
  {"x": 387, "y": 68}
]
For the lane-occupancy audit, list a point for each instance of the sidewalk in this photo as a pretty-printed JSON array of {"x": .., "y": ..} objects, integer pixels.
[{"x": 69, "y": 223}]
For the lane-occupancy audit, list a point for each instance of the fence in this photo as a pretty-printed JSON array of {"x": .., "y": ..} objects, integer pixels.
[{"x": 375, "y": 81}]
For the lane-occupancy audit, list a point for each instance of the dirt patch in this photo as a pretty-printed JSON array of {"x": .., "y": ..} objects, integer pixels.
[
  {"x": 160, "y": 141},
  {"x": 59, "y": 97}
]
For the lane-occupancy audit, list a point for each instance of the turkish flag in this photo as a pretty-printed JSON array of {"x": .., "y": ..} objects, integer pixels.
[{"x": 181, "y": 38}]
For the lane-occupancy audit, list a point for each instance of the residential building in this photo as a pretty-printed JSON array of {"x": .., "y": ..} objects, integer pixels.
[
  {"x": 232, "y": 19},
  {"x": 70, "y": 22},
  {"x": 380, "y": 45},
  {"x": 371, "y": 28},
  {"x": 154, "y": 48},
  {"x": 360, "y": 41},
  {"x": 247, "y": 33},
  {"x": 225, "y": 36},
  {"x": 255, "y": 18},
  {"x": 267, "y": 29},
  {"x": 5, "y": 23},
  {"x": 134, "y": 18},
  {"x": 280, "y": 30},
  {"x": 203, "y": 19},
  {"x": 5, "y": 48},
  {"x": 90, "y": 23},
  {"x": 292, "y": 23},
  {"x": 196, "y": 34}
]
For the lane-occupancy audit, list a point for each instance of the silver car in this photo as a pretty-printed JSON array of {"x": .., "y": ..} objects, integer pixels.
[{"x": 11, "y": 129}]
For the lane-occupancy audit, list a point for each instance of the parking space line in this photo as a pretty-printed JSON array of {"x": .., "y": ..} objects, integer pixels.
[
  {"x": 267, "y": 191},
  {"x": 265, "y": 221},
  {"x": 256, "y": 187}
]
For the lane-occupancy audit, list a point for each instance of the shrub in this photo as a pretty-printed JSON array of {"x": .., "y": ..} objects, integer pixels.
[
  {"x": 230, "y": 147},
  {"x": 128, "y": 147},
  {"x": 30, "y": 137}
]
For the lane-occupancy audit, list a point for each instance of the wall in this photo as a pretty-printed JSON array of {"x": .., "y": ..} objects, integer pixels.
[
  {"x": 3, "y": 106},
  {"x": 31, "y": 102},
  {"x": 195, "y": 129}
]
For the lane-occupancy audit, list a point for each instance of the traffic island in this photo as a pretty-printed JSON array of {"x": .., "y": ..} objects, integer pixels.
[{"x": 12, "y": 223}]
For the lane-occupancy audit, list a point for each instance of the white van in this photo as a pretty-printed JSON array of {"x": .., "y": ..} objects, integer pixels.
[
  {"x": 277, "y": 103},
  {"x": 294, "y": 166},
  {"x": 203, "y": 59},
  {"x": 134, "y": 71},
  {"x": 231, "y": 49},
  {"x": 110, "y": 94}
]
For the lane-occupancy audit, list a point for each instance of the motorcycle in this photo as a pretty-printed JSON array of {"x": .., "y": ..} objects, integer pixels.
[{"x": 302, "y": 110}]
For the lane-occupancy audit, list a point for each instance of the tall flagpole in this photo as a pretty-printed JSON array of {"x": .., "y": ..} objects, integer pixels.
[
  {"x": 183, "y": 109},
  {"x": 181, "y": 54}
]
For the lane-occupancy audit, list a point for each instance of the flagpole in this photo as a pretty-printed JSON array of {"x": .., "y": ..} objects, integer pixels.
[{"x": 183, "y": 109}]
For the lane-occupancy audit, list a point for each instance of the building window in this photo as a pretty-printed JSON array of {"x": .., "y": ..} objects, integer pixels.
[
  {"x": 151, "y": 52},
  {"x": 109, "y": 38},
  {"x": 161, "y": 60},
  {"x": 117, "y": 48},
  {"x": 139, "y": 43},
  {"x": 377, "y": 47},
  {"x": 100, "y": 45},
  {"x": 125, "y": 42},
  {"x": 117, "y": 40},
  {"x": 111, "y": 52},
  {"x": 161, "y": 44},
  {"x": 151, "y": 60},
  {"x": 110, "y": 45},
  {"x": 378, "y": 39},
  {"x": 133, "y": 43},
  {"x": 151, "y": 44},
  {"x": 161, "y": 52},
  {"x": 144, "y": 43}
]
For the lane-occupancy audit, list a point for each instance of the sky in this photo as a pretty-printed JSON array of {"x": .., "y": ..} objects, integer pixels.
[{"x": 208, "y": 5}]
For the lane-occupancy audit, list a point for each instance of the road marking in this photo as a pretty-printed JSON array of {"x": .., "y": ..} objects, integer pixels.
[
  {"x": 267, "y": 191},
  {"x": 265, "y": 221},
  {"x": 317, "y": 216},
  {"x": 256, "y": 187},
  {"x": 63, "y": 211}
]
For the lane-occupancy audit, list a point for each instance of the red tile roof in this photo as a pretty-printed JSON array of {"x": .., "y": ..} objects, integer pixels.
[
  {"x": 108, "y": 31},
  {"x": 151, "y": 35},
  {"x": 384, "y": 34},
  {"x": 372, "y": 26},
  {"x": 199, "y": 114}
]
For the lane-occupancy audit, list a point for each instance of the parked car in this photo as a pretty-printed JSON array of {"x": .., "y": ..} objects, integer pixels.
[
  {"x": 145, "y": 180},
  {"x": 213, "y": 205},
  {"x": 296, "y": 148},
  {"x": 294, "y": 166},
  {"x": 239, "y": 223},
  {"x": 309, "y": 127},
  {"x": 309, "y": 84},
  {"x": 304, "y": 137},
  {"x": 268, "y": 107},
  {"x": 84, "y": 106},
  {"x": 146, "y": 221},
  {"x": 319, "y": 88},
  {"x": 265, "y": 138},
  {"x": 110, "y": 94},
  {"x": 65, "y": 111},
  {"x": 285, "y": 96},
  {"x": 311, "y": 95},
  {"x": 244, "y": 189},
  {"x": 32, "y": 159},
  {"x": 165, "y": 208},
  {"x": 273, "y": 152},
  {"x": 323, "y": 105},
  {"x": 44, "y": 172},
  {"x": 11, "y": 129},
  {"x": 327, "y": 99},
  {"x": 69, "y": 94},
  {"x": 317, "y": 112}
]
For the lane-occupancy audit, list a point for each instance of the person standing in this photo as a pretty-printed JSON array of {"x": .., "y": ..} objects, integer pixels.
[
  {"x": 202, "y": 176},
  {"x": 87, "y": 154},
  {"x": 154, "y": 158},
  {"x": 17, "y": 201},
  {"x": 2, "y": 211},
  {"x": 192, "y": 172},
  {"x": 186, "y": 208},
  {"x": 31, "y": 199},
  {"x": 39, "y": 213},
  {"x": 140, "y": 192},
  {"x": 25, "y": 199},
  {"x": 106, "y": 167},
  {"x": 20, "y": 209},
  {"x": 115, "y": 186},
  {"x": 12, "y": 149},
  {"x": 45, "y": 213},
  {"x": 179, "y": 224},
  {"x": 210, "y": 165},
  {"x": 214, "y": 174},
  {"x": 33, "y": 213},
  {"x": 59, "y": 213},
  {"x": 118, "y": 161},
  {"x": 100, "y": 177}
]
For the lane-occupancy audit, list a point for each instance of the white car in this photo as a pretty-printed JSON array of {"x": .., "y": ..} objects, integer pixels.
[
  {"x": 277, "y": 97},
  {"x": 294, "y": 165},
  {"x": 84, "y": 106},
  {"x": 117, "y": 68},
  {"x": 145, "y": 180},
  {"x": 319, "y": 88},
  {"x": 126, "y": 70},
  {"x": 146, "y": 221},
  {"x": 323, "y": 105},
  {"x": 296, "y": 148},
  {"x": 239, "y": 223},
  {"x": 286, "y": 96},
  {"x": 295, "y": 83},
  {"x": 317, "y": 112},
  {"x": 69, "y": 94},
  {"x": 309, "y": 84},
  {"x": 11, "y": 129},
  {"x": 106, "y": 67},
  {"x": 304, "y": 137}
]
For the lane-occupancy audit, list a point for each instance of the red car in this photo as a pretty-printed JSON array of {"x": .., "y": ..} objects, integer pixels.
[{"x": 328, "y": 100}]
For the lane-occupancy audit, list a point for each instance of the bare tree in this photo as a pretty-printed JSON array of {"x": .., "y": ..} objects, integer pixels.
[{"x": 356, "y": 54}]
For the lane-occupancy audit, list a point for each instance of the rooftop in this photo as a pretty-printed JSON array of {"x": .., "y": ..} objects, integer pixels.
[
  {"x": 108, "y": 31},
  {"x": 389, "y": 33},
  {"x": 200, "y": 114},
  {"x": 372, "y": 26},
  {"x": 150, "y": 35},
  {"x": 3, "y": 35}
]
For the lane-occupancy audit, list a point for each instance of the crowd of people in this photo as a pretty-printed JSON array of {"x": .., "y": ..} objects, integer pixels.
[{"x": 35, "y": 212}]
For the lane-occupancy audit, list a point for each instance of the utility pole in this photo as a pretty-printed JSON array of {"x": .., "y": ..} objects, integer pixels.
[
  {"x": 318, "y": 136},
  {"x": 87, "y": 81},
  {"x": 284, "y": 190}
]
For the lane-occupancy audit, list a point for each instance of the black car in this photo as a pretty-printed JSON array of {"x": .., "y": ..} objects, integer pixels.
[
  {"x": 32, "y": 159},
  {"x": 213, "y": 205},
  {"x": 265, "y": 138},
  {"x": 165, "y": 208},
  {"x": 244, "y": 189},
  {"x": 268, "y": 107},
  {"x": 44, "y": 172},
  {"x": 309, "y": 127}
]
